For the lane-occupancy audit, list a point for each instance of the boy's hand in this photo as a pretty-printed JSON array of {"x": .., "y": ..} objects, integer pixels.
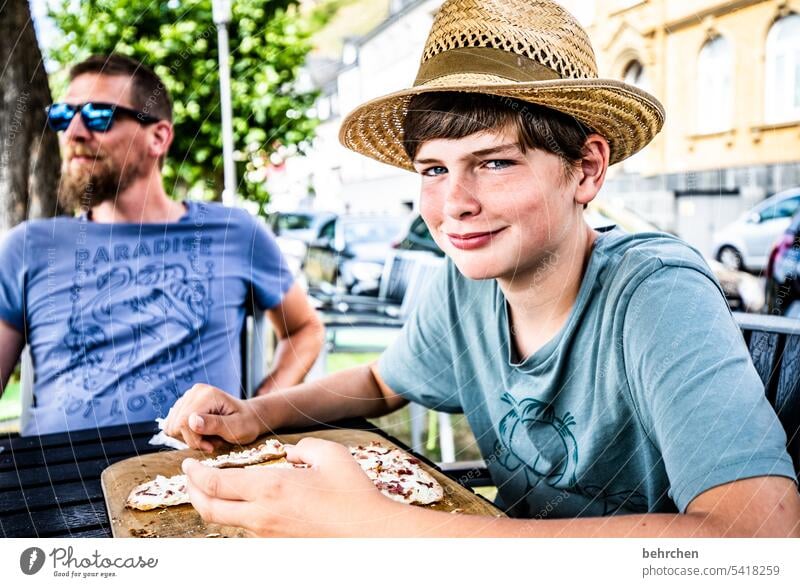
[
  {"x": 205, "y": 415},
  {"x": 333, "y": 497}
]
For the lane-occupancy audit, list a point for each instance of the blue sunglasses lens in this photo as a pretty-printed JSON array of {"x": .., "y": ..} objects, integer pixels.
[
  {"x": 59, "y": 116},
  {"x": 96, "y": 117}
]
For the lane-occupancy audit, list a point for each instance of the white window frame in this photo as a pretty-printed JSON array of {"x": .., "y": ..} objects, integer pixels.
[
  {"x": 715, "y": 86},
  {"x": 782, "y": 87},
  {"x": 636, "y": 163}
]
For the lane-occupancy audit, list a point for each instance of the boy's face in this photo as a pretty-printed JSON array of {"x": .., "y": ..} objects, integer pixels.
[{"x": 496, "y": 211}]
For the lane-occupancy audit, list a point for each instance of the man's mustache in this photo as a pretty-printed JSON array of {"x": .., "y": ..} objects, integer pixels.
[{"x": 71, "y": 152}]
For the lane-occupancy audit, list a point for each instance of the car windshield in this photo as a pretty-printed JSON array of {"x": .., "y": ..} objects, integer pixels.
[
  {"x": 293, "y": 222},
  {"x": 371, "y": 231}
]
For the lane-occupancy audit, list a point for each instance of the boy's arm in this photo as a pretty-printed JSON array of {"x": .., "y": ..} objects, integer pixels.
[
  {"x": 11, "y": 344},
  {"x": 206, "y": 413},
  {"x": 760, "y": 506},
  {"x": 335, "y": 498}
]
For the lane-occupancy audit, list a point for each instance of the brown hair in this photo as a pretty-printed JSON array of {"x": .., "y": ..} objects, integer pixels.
[
  {"x": 148, "y": 92},
  {"x": 455, "y": 115}
]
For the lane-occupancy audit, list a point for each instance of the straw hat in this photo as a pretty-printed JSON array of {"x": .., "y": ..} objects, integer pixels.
[{"x": 531, "y": 50}]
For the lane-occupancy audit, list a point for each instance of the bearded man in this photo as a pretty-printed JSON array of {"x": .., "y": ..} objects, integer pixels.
[{"x": 140, "y": 296}]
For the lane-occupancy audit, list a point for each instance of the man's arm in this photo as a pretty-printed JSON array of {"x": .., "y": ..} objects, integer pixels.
[
  {"x": 11, "y": 344},
  {"x": 300, "y": 338}
]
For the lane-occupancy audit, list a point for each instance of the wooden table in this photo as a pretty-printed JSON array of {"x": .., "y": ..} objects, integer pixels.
[{"x": 50, "y": 485}]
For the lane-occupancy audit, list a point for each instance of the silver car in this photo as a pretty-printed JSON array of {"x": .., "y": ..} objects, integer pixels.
[{"x": 746, "y": 243}]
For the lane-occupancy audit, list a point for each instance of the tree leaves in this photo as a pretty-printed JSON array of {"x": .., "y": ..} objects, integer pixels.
[{"x": 269, "y": 41}]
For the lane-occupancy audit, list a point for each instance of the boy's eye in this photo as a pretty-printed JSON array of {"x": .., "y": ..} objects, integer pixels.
[
  {"x": 433, "y": 171},
  {"x": 499, "y": 164}
]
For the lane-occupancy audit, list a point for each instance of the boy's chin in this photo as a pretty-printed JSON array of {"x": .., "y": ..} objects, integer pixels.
[{"x": 476, "y": 271}]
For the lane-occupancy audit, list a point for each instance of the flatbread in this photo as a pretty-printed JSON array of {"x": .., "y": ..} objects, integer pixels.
[
  {"x": 397, "y": 474},
  {"x": 160, "y": 492},
  {"x": 169, "y": 491},
  {"x": 268, "y": 451}
]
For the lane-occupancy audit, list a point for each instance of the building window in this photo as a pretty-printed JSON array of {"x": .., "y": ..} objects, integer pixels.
[
  {"x": 714, "y": 86},
  {"x": 635, "y": 75},
  {"x": 782, "y": 98}
]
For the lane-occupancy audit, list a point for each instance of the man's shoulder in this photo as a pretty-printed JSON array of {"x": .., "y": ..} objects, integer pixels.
[
  {"x": 214, "y": 213},
  {"x": 30, "y": 231}
]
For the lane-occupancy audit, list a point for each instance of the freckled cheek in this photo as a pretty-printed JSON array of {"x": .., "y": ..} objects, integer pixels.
[{"x": 430, "y": 208}]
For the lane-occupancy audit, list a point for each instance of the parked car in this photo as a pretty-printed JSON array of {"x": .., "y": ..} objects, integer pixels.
[
  {"x": 304, "y": 226},
  {"x": 349, "y": 254},
  {"x": 783, "y": 273},
  {"x": 743, "y": 291},
  {"x": 417, "y": 237},
  {"x": 294, "y": 230},
  {"x": 746, "y": 242}
]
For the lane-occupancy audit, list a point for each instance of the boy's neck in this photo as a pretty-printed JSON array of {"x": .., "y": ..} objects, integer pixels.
[{"x": 540, "y": 301}]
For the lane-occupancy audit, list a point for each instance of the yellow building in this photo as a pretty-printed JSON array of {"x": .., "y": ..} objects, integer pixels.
[{"x": 728, "y": 74}]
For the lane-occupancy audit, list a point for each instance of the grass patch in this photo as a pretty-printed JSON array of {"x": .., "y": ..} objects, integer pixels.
[
  {"x": 398, "y": 423},
  {"x": 11, "y": 403}
]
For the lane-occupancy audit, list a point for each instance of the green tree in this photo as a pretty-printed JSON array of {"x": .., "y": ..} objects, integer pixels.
[{"x": 269, "y": 42}]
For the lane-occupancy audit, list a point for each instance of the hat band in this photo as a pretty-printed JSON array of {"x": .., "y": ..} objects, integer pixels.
[{"x": 486, "y": 60}]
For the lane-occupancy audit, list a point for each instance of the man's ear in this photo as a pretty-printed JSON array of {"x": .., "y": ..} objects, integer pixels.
[
  {"x": 592, "y": 170},
  {"x": 160, "y": 138}
]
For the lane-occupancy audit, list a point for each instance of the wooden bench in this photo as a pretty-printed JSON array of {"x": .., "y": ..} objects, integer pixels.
[{"x": 774, "y": 344}]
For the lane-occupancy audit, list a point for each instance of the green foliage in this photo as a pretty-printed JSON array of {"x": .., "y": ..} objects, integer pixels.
[{"x": 269, "y": 41}]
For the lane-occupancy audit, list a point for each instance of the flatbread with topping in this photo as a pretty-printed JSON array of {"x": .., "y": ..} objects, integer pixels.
[
  {"x": 168, "y": 491},
  {"x": 397, "y": 474}
]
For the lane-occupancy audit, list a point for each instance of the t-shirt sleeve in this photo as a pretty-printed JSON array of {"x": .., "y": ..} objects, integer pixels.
[
  {"x": 418, "y": 365},
  {"x": 268, "y": 271},
  {"x": 695, "y": 387},
  {"x": 12, "y": 277}
]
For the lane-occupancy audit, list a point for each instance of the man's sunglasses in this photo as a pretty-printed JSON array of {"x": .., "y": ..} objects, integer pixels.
[{"x": 96, "y": 116}]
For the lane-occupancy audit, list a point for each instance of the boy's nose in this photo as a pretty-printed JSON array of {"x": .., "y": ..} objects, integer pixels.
[{"x": 461, "y": 201}]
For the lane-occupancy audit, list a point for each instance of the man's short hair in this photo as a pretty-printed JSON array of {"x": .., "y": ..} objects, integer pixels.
[
  {"x": 455, "y": 115},
  {"x": 148, "y": 92}
]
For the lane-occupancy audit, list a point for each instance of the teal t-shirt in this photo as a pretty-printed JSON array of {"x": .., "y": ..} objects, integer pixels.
[{"x": 644, "y": 399}]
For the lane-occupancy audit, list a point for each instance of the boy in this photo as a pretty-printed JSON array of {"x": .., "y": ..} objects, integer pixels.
[{"x": 601, "y": 373}]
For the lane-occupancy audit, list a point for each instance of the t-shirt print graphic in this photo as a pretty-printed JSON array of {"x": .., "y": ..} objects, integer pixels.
[
  {"x": 121, "y": 315},
  {"x": 538, "y": 440},
  {"x": 540, "y": 443}
]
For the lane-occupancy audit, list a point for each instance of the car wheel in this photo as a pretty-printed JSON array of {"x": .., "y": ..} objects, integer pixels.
[{"x": 730, "y": 258}]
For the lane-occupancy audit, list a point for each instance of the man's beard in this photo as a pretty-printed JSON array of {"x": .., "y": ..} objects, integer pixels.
[{"x": 90, "y": 185}]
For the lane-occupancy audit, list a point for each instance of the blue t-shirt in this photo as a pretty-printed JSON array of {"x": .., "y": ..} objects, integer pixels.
[
  {"x": 122, "y": 319},
  {"x": 644, "y": 399}
]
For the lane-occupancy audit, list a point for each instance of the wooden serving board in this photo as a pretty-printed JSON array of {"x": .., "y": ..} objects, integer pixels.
[{"x": 183, "y": 521}]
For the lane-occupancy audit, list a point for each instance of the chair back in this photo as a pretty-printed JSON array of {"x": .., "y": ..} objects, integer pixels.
[{"x": 774, "y": 344}]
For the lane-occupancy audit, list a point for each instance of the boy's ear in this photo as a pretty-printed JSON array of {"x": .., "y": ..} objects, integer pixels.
[{"x": 593, "y": 166}]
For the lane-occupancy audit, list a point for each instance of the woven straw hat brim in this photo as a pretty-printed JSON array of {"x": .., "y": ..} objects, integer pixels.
[{"x": 626, "y": 116}]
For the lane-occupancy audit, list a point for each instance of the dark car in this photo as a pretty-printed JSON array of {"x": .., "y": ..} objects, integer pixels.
[
  {"x": 418, "y": 238},
  {"x": 294, "y": 231},
  {"x": 783, "y": 273},
  {"x": 349, "y": 254},
  {"x": 303, "y": 226}
]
